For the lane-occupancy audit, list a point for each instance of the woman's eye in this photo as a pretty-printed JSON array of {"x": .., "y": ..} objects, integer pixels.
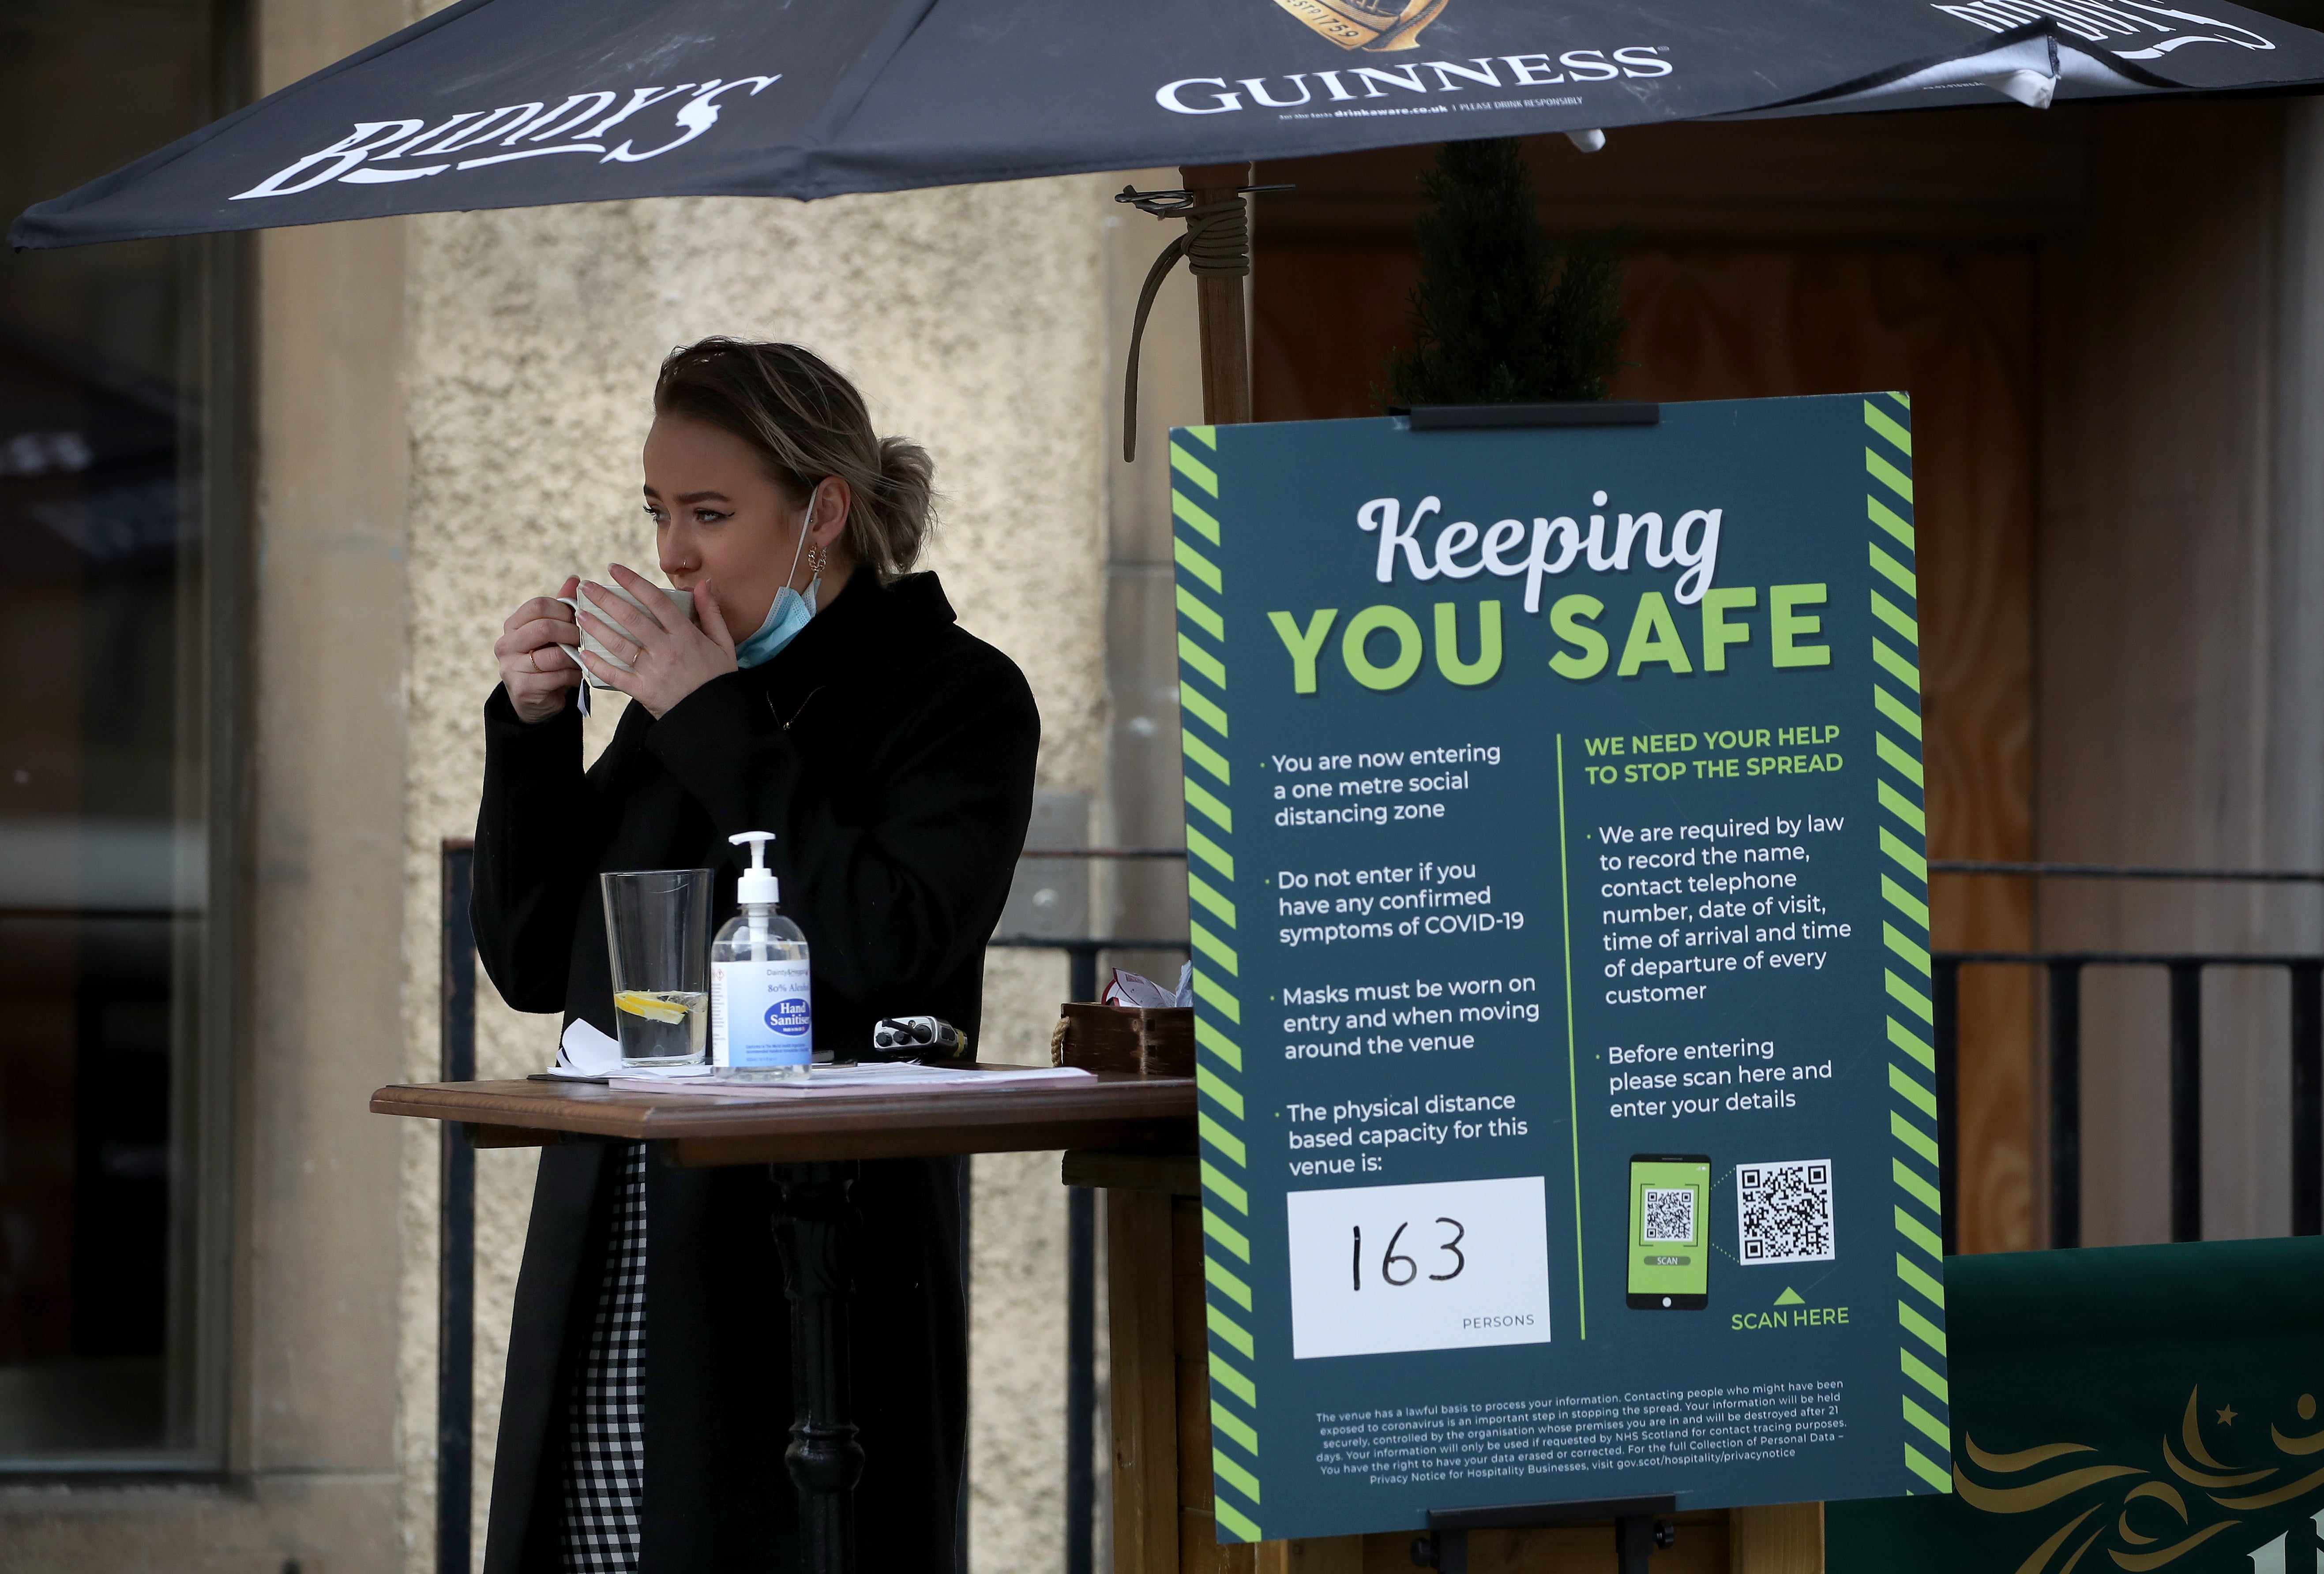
[{"x": 703, "y": 516}]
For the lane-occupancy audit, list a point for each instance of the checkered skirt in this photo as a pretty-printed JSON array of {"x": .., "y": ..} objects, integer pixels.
[{"x": 604, "y": 1427}]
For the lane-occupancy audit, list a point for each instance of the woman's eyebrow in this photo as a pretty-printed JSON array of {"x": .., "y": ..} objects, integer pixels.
[{"x": 692, "y": 496}]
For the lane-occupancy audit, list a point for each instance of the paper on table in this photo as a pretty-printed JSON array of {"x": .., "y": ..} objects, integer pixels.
[
  {"x": 588, "y": 1055},
  {"x": 587, "y": 1051},
  {"x": 900, "y": 1077}
]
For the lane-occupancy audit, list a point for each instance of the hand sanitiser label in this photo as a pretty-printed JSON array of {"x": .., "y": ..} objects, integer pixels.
[{"x": 763, "y": 1012}]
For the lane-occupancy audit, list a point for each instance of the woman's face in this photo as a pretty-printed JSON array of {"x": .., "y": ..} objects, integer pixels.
[{"x": 719, "y": 516}]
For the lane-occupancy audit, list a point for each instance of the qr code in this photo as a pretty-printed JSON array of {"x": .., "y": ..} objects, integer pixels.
[
  {"x": 1786, "y": 1212},
  {"x": 1670, "y": 1214}
]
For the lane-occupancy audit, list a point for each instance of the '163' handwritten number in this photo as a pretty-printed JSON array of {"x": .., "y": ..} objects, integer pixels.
[{"x": 1392, "y": 1258}]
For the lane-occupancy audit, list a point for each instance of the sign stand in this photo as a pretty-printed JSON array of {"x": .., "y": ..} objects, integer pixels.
[{"x": 1637, "y": 1530}]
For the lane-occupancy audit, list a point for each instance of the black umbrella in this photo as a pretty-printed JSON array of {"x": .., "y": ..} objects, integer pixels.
[{"x": 517, "y": 103}]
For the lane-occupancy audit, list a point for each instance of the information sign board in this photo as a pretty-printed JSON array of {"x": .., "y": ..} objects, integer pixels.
[{"x": 1564, "y": 1012}]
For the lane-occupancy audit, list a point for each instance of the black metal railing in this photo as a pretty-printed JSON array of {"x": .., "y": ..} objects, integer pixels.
[
  {"x": 2064, "y": 969},
  {"x": 2185, "y": 971},
  {"x": 1082, "y": 951},
  {"x": 456, "y": 1237}
]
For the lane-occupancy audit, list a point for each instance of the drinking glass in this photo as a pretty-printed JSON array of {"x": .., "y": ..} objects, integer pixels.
[{"x": 658, "y": 937}]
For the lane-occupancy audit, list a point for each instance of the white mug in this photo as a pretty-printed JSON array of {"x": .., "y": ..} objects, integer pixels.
[{"x": 681, "y": 601}]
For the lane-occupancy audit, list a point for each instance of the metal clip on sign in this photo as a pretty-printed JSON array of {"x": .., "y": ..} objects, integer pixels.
[
  {"x": 1637, "y": 1529},
  {"x": 1603, "y": 412}
]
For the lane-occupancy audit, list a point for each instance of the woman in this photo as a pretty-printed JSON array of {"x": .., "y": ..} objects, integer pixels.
[{"x": 648, "y": 1401}]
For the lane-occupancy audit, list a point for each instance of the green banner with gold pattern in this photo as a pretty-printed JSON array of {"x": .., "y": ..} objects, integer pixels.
[{"x": 2127, "y": 1407}]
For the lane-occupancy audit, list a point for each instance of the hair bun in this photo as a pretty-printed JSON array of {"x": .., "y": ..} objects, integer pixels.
[{"x": 908, "y": 499}]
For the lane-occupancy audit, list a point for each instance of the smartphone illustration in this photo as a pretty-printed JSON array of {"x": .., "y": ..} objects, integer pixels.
[{"x": 1670, "y": 1232}]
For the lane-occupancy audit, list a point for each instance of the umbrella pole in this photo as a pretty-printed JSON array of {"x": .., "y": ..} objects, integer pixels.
[{"x": 1225, "y": 333}]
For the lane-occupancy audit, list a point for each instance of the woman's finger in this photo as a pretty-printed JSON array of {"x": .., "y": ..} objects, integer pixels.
[
  {"x": 639, "y": 627},
  {"x": 712, "y": 620},
  {"x": 536, "y": 695},
  {"x": 548, "y": 681},
  {"x": 611, "y": 639},
  {"x": 539, "y": 608},
  {"x": 645, "y": 590},
  {"x": 611, "y": 675},
  {"x": 517, "y": 655},
  {"x": 537, "y": 633}
]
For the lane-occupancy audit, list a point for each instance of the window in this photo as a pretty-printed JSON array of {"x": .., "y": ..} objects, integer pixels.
[{"x": 118, "y": 570}]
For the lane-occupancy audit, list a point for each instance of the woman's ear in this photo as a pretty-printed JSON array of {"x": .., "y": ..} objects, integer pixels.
[{"x": 833, "y": 500}]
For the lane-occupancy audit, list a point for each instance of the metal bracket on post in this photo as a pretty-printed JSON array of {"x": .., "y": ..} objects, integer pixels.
[
  {"x": 1636, "y": 1537},
  {"x": 1454, "y": 418},
  {"x": 1446, "y": 1551},
  {"x": 1637, "y": 1528},
  {"x": 1175, "y": 203}
]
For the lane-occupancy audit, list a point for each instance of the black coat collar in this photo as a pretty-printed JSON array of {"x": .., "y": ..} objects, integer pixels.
[{"x": 865, "y": 631}]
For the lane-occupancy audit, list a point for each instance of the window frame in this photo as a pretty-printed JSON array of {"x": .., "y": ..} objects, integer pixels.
[{"x": 216, "y": 451}]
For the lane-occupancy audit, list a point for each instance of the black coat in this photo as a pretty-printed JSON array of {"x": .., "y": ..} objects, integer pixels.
[{"x": 892, "y": 755}]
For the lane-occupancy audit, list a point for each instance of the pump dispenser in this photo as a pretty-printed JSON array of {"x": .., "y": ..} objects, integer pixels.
[{"x": 761, "y": 1016}]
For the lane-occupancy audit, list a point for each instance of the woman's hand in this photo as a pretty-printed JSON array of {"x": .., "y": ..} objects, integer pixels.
[
  {"x": 536, "y": 663},
  {"x": 671, "y": 662}
]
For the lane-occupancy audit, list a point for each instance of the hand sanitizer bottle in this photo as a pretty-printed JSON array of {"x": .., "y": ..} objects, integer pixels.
[{"x": 762, "y": 1017}]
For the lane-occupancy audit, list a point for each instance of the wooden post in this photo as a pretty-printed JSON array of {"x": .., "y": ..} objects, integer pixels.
[
  {"x": 1777, "y": 1538},
  {"x": 1200, "y": 1550},
  {"x": 1144, "y": 1387},
  {"x": 1225, "y": 330}
]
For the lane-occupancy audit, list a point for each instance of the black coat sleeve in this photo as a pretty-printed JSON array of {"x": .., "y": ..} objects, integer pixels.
[
  {"x": 897, "y": 893},
  {"x": 534, "y": 850}
]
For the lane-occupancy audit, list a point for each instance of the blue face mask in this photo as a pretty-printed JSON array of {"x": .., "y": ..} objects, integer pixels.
[{"x": 790, "y": 611}]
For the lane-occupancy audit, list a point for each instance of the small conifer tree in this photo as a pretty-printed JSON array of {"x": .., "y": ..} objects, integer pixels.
[{"x": 1503, "y": 313}]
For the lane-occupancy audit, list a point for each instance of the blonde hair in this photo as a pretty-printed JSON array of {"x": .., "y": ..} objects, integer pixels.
[{"x": 808, "y": 423}]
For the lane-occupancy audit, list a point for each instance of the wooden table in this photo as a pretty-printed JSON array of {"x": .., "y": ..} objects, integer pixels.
[
  {"x": 1151, "y": 1114},
  {"x": 812, "y": 1145}
]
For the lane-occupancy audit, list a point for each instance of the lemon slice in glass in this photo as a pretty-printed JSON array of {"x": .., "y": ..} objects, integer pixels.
[{"x": 651, "y": 1005}]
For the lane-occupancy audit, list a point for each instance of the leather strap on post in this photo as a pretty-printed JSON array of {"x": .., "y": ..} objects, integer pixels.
[{"x": 1216, "y": 245}]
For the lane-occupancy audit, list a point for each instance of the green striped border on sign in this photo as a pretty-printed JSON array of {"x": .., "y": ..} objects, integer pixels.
[
  {"x": 1218, "y": 1002},
  {"x": 1905, "y": 927}
]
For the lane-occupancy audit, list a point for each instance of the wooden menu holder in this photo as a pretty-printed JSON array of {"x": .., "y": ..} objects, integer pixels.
[{"x": 1143, "y": 1041}]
